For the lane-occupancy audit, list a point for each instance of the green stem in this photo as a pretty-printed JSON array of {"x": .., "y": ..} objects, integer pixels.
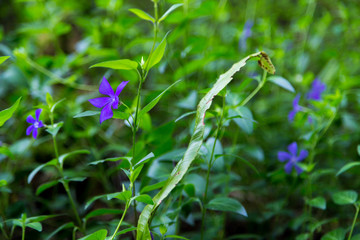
[
  {"x": 65, "y": 184},
  {"x": 209, "y": 168},
  {"x": 256, "y": 90},
  {"x": 23, "y": 232},
  {"x": 354, "y": 221},
  {"x": 122, "y": 218}
]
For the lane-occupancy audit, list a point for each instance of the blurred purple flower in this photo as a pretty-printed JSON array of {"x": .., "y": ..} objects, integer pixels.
[
  {"x": 246, "y": 33},
  {"x": 152, "y": 236},
  {"x": 107, "y": 102},
  {"x": 317, "y": 87},
  {"x": 296, "y": 108},
  {"x": 35, "y": 124},
  {"x": 292, "y": 158}
]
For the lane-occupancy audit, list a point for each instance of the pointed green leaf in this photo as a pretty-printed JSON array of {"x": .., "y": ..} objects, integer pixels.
[
  {"x": 347, "y": 167},
  {"x": 110, "y": 160},
  {"x": 144, "y": 198},
  {"x": 170, "y": 10},
  {"x": 152, "y": 104},
  {"x": 337, "y": 234},
  {"x": 87, "y": 114},
  {"x": 123, "y": 196},
  {"x": 282, "y": 82},
  {"x": 98, "y": 235},
  {"x": 63, "y": 157},
  {"x": 7, "y": 113},
  {"x": 144, "y": 160},
  {"x": 157, "y": 55},
  {"x": 196, "y": 141},
  {"x": 36, "y": 170},
  {"x": 103, "y": 211},
  {"x": 45, "y": 186},
  {"x": 318, "y": 202},
  {"x": 141, "y": 14},
  {"x": 176, "y": 237},
  {"x": 3, "y": 59},
  {"x": 35, "y": 225},
  {"x": 226, "y": 204},
  {"x": 150, "y": 188},
  {"x": 54, "y": 129},
  {"x": 123, "y": 64},
  {"x": 345, "y": 197}
]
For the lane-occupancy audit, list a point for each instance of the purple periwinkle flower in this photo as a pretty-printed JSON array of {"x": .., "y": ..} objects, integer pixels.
[
  {"x": 292, "y": 158},
  {"x": 35, "y": 123},
  {"x": 110, "y": 102},
  {"x": 152, "y": 236},
  {"x": 317, "y": 87},
  {"x": 296, "y": 108},
  {"x": 246, "y": 34}
]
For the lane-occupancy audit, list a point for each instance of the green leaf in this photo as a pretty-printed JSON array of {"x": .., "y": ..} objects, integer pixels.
[
  {"x": 126, "y": 230},
  {"x": 144, "y": 198},
  {"x": 36, "y": 170},
  {"x": 123, "y": 196},
  {"x": 103, "y": 211},
  {"x": 150, "y": 188},
  {"x": 318, "y": 202},
  {"x": 282, "y": 82},
  {"x": 241, "y": 159},
  {"x": 98, "y": 235},
  {"x": 45, "y": 186},
  {"x": 3, "y": 183},
  {"x": 63, "y": 157},
  {"x": 152, "y": 104},
  {"x": 35, "y": 225},
  {"x": 49, "y": 100},
  {"x": 54, "y": 129},
  {"x": 93, "y": 199},
  {"x": 141, "y": 14},
  {"x": 337, "y": 234},
  {"x": 87, "y": 114},
  {"x": 226, "y": 204},
  {"x": 136, "y": 173},
  {"x": 170, "y": 10},
  {"x": 176, "y": 237},
  {"x": 3, "y": 59},
  {"x": 121, "y": 115},
  {"x": 157, "y": 55},
  {"x": 40, "y": 218},
  {"x": 7, "y": 113},
  {"x": 55, "y": 104},
  {"x": 144, "y": 160},
  {"x": 246, "y": 122},
  {"x": 358, "y": 150},
  {"x": 64, "y": 226},
  {"x": 185, "y": 115},
  {"x": 345, "y": 197},
  {"x": 123, "y": 64},
  {"x": 347, "y": 167},
  {"x": 192, "y": 151},
  {"x": 110, "y": 160}
]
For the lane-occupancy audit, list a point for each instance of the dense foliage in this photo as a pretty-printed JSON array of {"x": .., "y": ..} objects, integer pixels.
[{"x": 179, "y": 119}]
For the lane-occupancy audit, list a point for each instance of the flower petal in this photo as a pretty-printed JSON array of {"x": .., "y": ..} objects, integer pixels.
[
  {"x": 106, "y": 113},
  {"x": 288, "y": 167},
  {"x": 121, "y": 87},
  {"x": 283, "y": 156},
  {"x": 291, "y": 115},
  {"x": 99, "y": 102},
  {"x": 296, "y": 101},
  {"x": 30, "y": 119},
  {"x": 105, "y": 88},
  {"x": 303, "y": 154},
  {"x": 293, "y": 148},
  {"x": 298, "y": 169},
  {"x": 37, "y": 113},
  {"x": 29, "y": 130},
  {"x": 35, "y": 133},
  {"x": 41, "y": 124},
  {"x": 115, "y": 104}
]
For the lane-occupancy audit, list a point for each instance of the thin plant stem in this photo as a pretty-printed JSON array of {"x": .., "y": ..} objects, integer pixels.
[
  {"x": 122, "y": 218},
  {"x": 65, "y": 184},
  {"x": 23, "y": 232},
  {"x": 210, "y": 163},
  {"x": 256, "y": 90},
  {"x": 354, "y": 221}
]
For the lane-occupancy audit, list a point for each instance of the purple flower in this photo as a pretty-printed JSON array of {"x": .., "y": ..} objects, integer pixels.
[
  {"x": 152, "y": 236},
  {"x": 317, "y": 87},
  {"x": 246, "y": 34},
  {"x": 296, "y": 108},
  {"x": 292, "y": 158},
  {"x": 35, "y": 123},
  {"x": 106, "y": 103}
]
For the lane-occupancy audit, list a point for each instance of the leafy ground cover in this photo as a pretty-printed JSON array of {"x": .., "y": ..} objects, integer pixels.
[{"x": 179, "y": 119}]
